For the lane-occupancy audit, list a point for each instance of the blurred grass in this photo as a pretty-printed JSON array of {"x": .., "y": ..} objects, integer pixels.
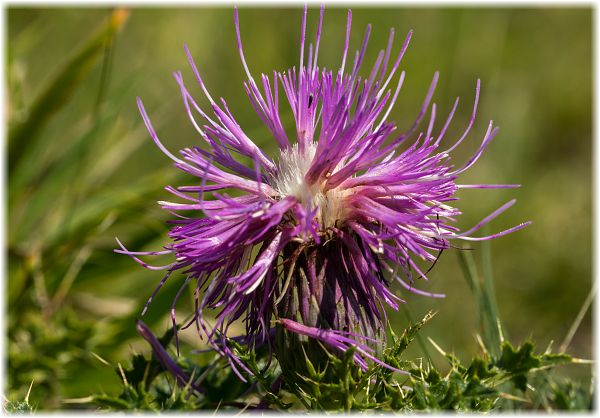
[
  {"x": 484, "y": 293},
  {"x": 90, "y": 171}
]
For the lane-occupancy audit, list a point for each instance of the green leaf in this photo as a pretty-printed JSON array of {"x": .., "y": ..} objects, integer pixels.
[
  {"x": 518, "y": 360},
  {"x": 409, "y": 334}
]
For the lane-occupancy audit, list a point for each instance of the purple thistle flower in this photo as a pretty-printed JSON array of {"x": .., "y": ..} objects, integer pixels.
[{"x": 315, "y": 235}]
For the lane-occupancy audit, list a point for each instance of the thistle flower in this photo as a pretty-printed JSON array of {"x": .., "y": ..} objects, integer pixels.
[{"x": 314, "y": 236}]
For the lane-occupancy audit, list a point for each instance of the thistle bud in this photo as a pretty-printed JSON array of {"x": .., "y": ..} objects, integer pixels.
[{"x": 322, "y": 294}]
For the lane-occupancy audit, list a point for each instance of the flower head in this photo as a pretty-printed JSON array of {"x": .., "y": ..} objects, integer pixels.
[{"x": 313, "y": 236}]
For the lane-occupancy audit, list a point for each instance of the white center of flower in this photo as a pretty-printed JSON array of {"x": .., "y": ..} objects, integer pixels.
[{"x": 289, "y": 181}]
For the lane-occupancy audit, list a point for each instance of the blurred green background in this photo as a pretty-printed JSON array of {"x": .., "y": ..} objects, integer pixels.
[{"x": 82, "y": 168}]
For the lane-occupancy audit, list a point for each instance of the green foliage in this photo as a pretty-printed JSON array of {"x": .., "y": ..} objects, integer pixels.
[
  {"x": 146, "y": 386},
  {"x": 42, "y": 351},
  {"x": 477, "y": 386},
  {"x": 18, "y": 407},
  {"x": 571, "y": 396},
  {"x": 472, "y": 387}
]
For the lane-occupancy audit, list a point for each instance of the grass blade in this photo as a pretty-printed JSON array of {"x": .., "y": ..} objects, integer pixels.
[
  {"x": 485, "y": 300},
  {"x": 580, "y": 315}
]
